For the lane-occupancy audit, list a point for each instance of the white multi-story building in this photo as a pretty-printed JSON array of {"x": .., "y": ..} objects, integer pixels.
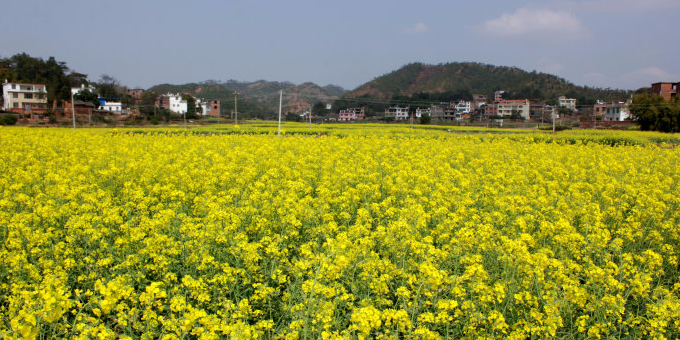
[
  {"x": 514, "y": 107},
  {"x": 397, "y": 112},
  {"x": 173, "y": 102},
  {"x": 463, "y": 107},
  {"x": 24, "y": 98},
  {"x": 177, "y": 104},
  {"x": 421, "y": 112},
  {"x": 569, "y": 103},
  {"x": 616, "y": 112},
  {"x": 204, "y": 107}
]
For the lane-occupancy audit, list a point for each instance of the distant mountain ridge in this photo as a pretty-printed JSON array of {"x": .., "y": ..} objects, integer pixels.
[
  {"x": 258, "y": 97},
  {"x": 466, "y": 78}
]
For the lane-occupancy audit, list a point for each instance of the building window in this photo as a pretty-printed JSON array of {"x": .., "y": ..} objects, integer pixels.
[
  {"x": 28, "y": 95},
  {"x": 16, "y": 105},
  {"x": 15, "y": 95}
]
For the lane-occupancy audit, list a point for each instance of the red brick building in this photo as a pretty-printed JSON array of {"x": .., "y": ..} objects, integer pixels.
[
  {"x": 213, "y": 108},
  {"x": 665, "y": 90}
]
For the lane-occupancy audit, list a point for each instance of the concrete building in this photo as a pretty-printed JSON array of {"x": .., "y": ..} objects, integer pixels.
[
  {"x": 351, "y": 114},
  {"x": 89, "y": 88},
  {"x": 435, "y": 112},
  {"x": 463, "y": 107},
  {"x": 599, "y": 108},
  {"x": 24, "y": 98},
  {"x": 81, "y": 107},
  {"x": 666, "y": 90},
  {"x": 617, "y": 112},
  {"x": 172, "y": 102},
  {"x": 478, "y": 100},
  {"x": 507, "y": 108},
  {"x": 569, "y": 103},
  {"x": 112, "y": 105},
  {"x": 498, "y": 96},
  {"x": 397, "y": 112}
]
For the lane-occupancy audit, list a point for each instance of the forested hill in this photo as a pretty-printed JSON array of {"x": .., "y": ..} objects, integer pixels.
[
  {"x": 258, "y": 97},
  {"x": 454, "y": 81}
]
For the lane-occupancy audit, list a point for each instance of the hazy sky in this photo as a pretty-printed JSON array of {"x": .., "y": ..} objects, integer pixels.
[{"x": 605, "y": 43}]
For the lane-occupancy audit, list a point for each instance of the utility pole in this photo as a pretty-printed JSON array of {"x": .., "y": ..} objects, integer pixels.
[
  {"x": 235, "y": 107},
  {"x": 280, "y": 103},
  {"x": 73, "y": 110},
  {"x": 553, "y": 117},
  {"x": 310, "y": 116}
]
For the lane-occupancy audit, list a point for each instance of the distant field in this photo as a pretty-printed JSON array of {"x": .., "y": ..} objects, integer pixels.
[{"x": 338, "y": 231}]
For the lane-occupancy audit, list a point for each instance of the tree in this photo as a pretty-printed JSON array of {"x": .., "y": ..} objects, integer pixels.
[
  {"x": 319, "y": 108},
  {"x": 24, "y": 68},
  {"x": 87, "y": 96},
  {"x": 655, "y": 113},
  {"x": 109, "y": 87},
  {"x": 191, "y": 106},
  {"x": 293, "y": 117},
  {"x": 148, "y": 102},
  {"x": 425, "y": 119}
]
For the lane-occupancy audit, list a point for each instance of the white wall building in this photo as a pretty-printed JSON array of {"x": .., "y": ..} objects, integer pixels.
[
  {"x": 24, "y": 98},
  {"x": 510, "y": 107},
  {"x": 76, "y": 90},
  {"x": 397, "y": 112},
  {"x": 616, "y": 112},
  {"x": 202, "y": 106},
  {"x": 177, "y": 104},
  {"x": 569, "y": 103},
  {"x": 463, "y": 107},
  {"x": 111, "y": 105}
]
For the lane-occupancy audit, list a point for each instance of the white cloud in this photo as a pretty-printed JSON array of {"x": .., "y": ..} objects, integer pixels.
[
  {"x": 418, "y": 28},
  {"x": 534, "y": 22}
]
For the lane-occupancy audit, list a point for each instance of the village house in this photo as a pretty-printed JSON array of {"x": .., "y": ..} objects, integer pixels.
[
  {"x": 599, "y": 108},
  {"x": 478, "y": 100},
  {"x": 80, "y": 107},
  {"x": 213, "y": 108},
  {"x": 136, "y": 95},
  {"x": 89, "y": 88},
  {"x": 113, "y": 105},
  {"x": 617, "y": 111},
  {"x": 463, "y": 107},
  {"x": 24, "y": 98},
  {"x": 397, "y": 112},
  {"x": 351, "y": 114},
  {"x": 569, "y": 103},
  {"x": 172, "y": 102},
  {"x": 665, "y": 89},
  {"x": 517, "y": 107}
]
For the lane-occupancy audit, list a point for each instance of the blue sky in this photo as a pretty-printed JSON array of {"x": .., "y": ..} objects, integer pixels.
[{"x": 604, "y": 43}]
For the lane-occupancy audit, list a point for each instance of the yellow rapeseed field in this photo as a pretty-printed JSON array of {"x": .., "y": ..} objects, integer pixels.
[{"x": 341, "y": 232}]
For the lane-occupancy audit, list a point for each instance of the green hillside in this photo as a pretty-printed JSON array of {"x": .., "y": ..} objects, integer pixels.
[{"x": 454, "y": 81}]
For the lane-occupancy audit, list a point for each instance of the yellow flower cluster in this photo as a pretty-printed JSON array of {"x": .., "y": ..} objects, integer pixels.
[{"x": 346, "y": 232}]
